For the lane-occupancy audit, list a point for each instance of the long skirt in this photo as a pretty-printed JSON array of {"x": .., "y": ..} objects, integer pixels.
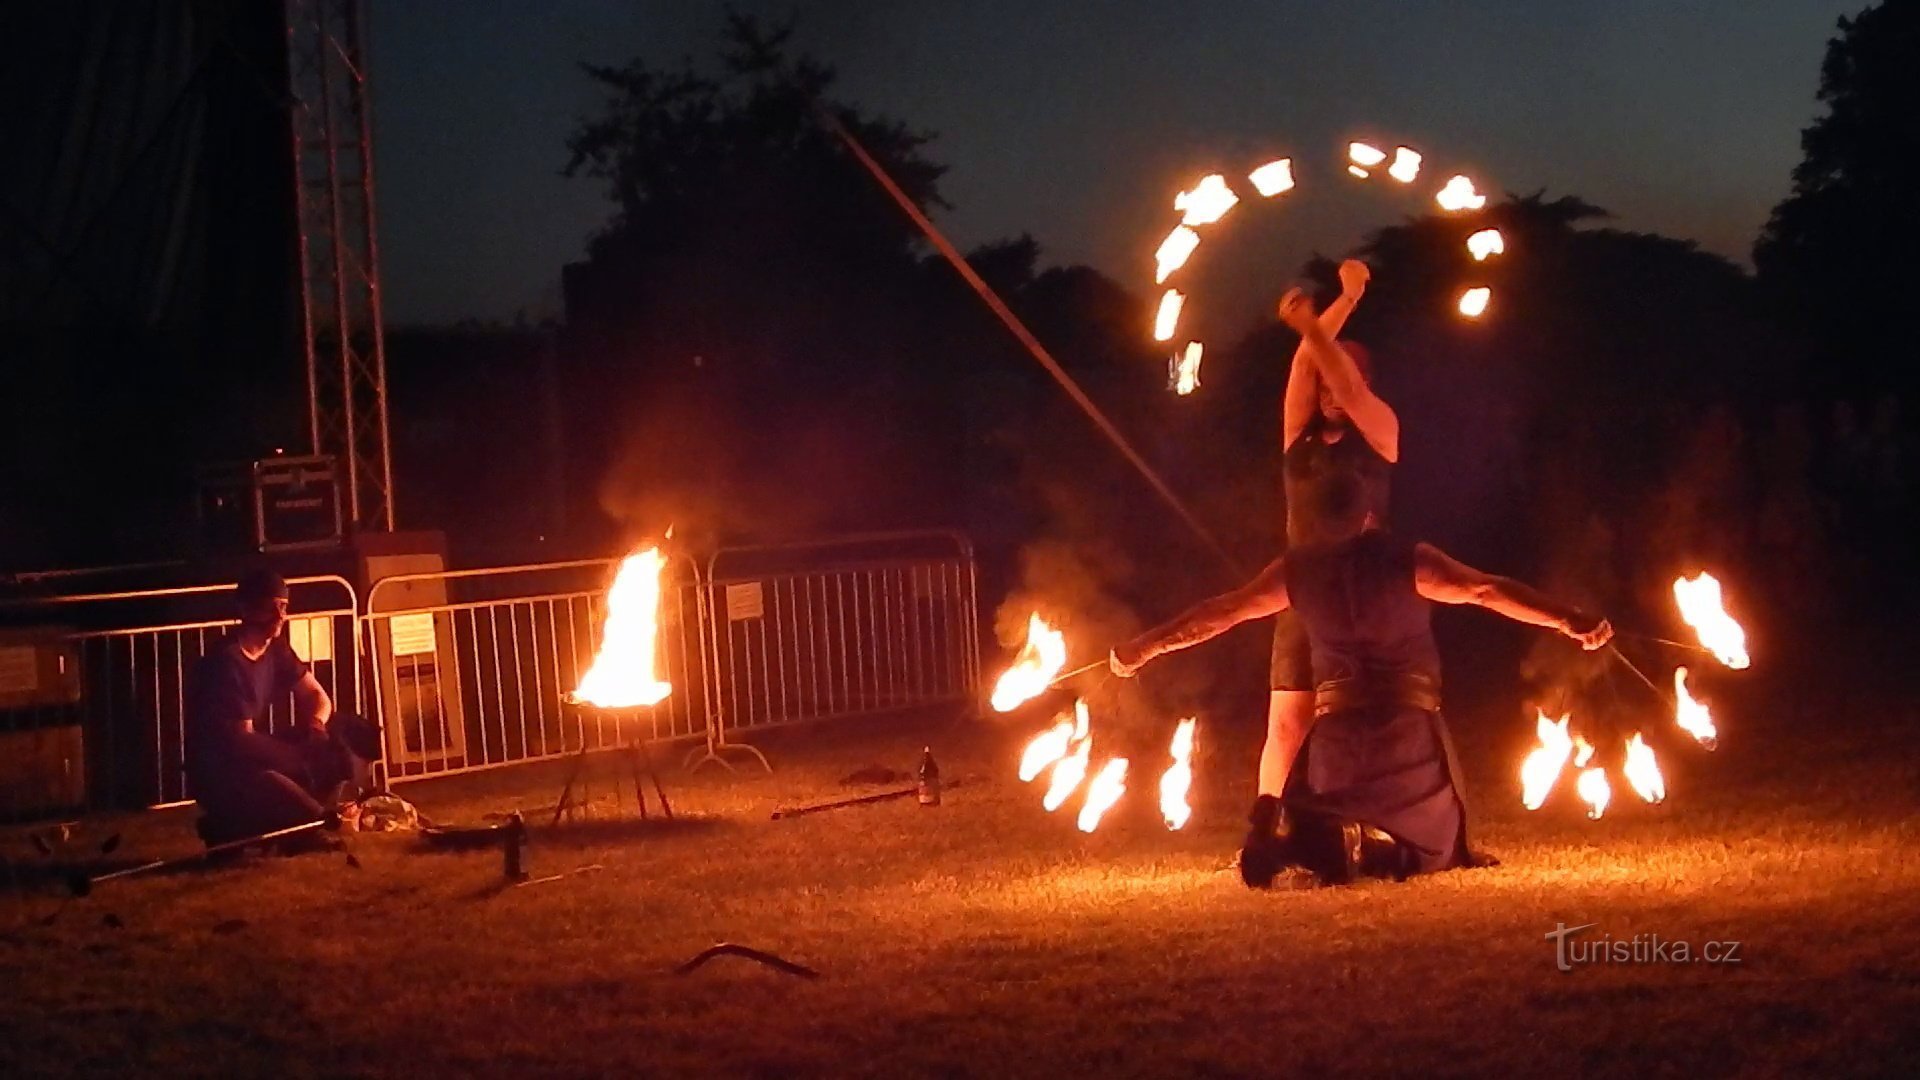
[{"x": 1390, "y": 768}]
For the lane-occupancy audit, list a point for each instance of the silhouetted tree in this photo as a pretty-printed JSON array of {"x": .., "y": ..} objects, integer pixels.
[{"x": 1840, "y": 250}]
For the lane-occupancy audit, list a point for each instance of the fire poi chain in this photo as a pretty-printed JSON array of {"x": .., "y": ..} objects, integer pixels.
[{"x": 1209, "y": 200}]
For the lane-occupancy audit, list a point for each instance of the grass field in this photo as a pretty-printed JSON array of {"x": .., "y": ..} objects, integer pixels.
[{"x": 986, "y": 938}]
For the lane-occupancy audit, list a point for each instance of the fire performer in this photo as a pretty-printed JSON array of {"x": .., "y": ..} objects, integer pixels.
[
  {"x": 248, "y": 782},
  {"x": 1334, "y": 428},
  {"x": 1376, "y": 794}
]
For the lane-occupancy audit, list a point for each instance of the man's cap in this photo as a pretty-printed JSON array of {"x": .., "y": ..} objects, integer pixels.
[{"x": 261, "y": 585}]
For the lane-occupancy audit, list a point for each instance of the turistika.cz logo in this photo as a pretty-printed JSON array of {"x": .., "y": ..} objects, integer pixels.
[{"x": 1571, "y": 950}]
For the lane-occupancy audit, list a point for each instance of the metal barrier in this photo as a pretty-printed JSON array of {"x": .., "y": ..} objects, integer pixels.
[
  {"x": 125, "y": 727},
  {"x": 846, "y": 627},
  {"x": 471, "y": 668}
]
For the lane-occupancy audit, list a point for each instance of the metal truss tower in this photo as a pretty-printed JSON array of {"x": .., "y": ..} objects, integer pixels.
[{"x": 339, "y": 256}]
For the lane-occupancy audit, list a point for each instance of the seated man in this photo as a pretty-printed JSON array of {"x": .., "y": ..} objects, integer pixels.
[
  {"x": 1375, "y": 793},
  {"x": 246, "y": 781}
]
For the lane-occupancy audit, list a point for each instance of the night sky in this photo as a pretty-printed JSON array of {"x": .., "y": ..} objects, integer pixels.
[{"x": 1078, "y": 121}]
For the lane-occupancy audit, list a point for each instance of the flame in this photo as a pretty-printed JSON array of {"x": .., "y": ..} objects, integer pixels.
[
  {"x": 1460, "y": 195},
  {"x": 1178, "y": 779},
  {"x": 1168, "y": 316},
  {"x": 621, "y": 675},
  {"x": 1406, "y": 164},
  {"x": 1473, "y": 302},
  {"x": 1595, "y": 792},
  {"x": 1358, "y": 171},
  {"x": 1207, "y": 203},
  {"x": 1701, "y": 606},
  {"x": 1184, "y": 369},
  {"x": 1541, "y": 769},
  {"x": 1691, "y": 715},
  {"x": 1272, "y": 178},
  {"x": 1044, "y": 654},
  {"x": 1046, "y": 748},
  {"x": 1174, "y": 252},
  {"x": 1362, "y": 154},
  {"x": 1105, "y": 790},
  {"x": 1643, "y": 772},
  {"x": 1582, "y": 752},
  {"x": 1486, "y": 242},
  {"x": 1067, "y": 775}
]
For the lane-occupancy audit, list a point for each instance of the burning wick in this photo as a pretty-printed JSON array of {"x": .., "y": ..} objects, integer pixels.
[
  {"x": 1596, "y": 792},
  {"x": 1184, "y": 369},
  {"x": 1046, "y": 748},
  {"x": 1174, "y": 252},
  {"x": 1178, "y": 779},
  {"x": 1643, "y": 772},
  {"x": 1168, "y": 316},
  {"x": 1473, "y": 302},
  {"x": 1541, "y": 769},
  {"x": 1067, "y": 776},
  {"x": 1208, "y": 202},
  {"x": 1364, "y": 155},
  {"x": 1486, "y": 242},
  {"x": 1358, "y": 171},
  {"x": 1692, "y": 717},
  {"x": 1704, "y": 610},
  {"x": 1272, "y": 178},
  {"x": 1044, "y": 654},
  {"x": 1105, "y": 790},
  {"x": 1459, "y": 194},
  {"x": 621, "y": 675},
  {"x": 1406, "y": 164}
]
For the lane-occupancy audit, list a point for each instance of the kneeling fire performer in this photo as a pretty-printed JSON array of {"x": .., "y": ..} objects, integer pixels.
[{"x": 1375, "y": 793}]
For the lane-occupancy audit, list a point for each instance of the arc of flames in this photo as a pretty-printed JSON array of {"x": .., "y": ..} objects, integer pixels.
[
  {"x": 1106, "y": 789},
  {"x": 1458, "y": 194},
  {"x": 1207, "y": 203},
  {"x": 1406, "y": 164},
  {"x": 1272, "y": 178},
  {"x": 1486, "y": 242},
  {"x": 1040, "y": 659},
  {"x": 1701, "y": 606},
  {"x": 1473, "y": 302},
  {"x": 1178, "y": 779},
  {"x": 1185, "y": 369},
  {"x": 1168, "y": 316},
  {"x": 622, "y": 673},
  {"x": 1643, "y": 772},
  {"x": 1691, "y": 715},
  {"x": 1542, "y": 767},
  {"x": 1174, "y": 252}
]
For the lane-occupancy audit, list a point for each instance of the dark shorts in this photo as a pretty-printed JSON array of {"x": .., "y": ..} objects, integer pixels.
[{"x": 1292, "y": 664}]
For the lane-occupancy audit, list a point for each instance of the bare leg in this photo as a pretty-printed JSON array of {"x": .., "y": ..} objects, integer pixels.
[{"x": 1289, "y": 715}]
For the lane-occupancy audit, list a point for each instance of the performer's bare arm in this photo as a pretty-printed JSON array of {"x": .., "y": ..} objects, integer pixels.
[
  {"x": 1443, "y": 579},
  {"x": 1264, "y": 595},
  {"x": 1374, "y": 418},
  {"x": 1302, "y": 398}
]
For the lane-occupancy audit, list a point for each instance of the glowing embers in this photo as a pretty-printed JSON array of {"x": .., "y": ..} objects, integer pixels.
[
  {"x": 1459, "y": 194},
  {"x": 1040, "y": 660},
  {"x": 1168, "y": 317},
  {"x": 1272, "y": 178},
  {"x": 1703, "y": 609},
  {"x": 622, "y": 673},
  {"x": 1208, "y": 202}
]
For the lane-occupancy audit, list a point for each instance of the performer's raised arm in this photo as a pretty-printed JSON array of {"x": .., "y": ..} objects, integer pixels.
[
  {"x": 1302, "y": 398},
  {"x": 1443, "y": 579},
  {"x": 1264, "y": 595},
  {"x": 1341, "y": 377}
]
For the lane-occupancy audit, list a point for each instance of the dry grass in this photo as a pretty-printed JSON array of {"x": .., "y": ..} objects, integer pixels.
[{"x": 986, "y": 938}]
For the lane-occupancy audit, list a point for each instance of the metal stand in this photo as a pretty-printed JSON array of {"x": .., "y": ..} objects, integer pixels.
[
  {"x": 717, "y": 745},
  {"x": 638, "y": 761}
]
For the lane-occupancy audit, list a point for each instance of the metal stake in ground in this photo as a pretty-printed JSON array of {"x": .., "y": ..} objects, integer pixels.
[{"x": 81, "y": 884}]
